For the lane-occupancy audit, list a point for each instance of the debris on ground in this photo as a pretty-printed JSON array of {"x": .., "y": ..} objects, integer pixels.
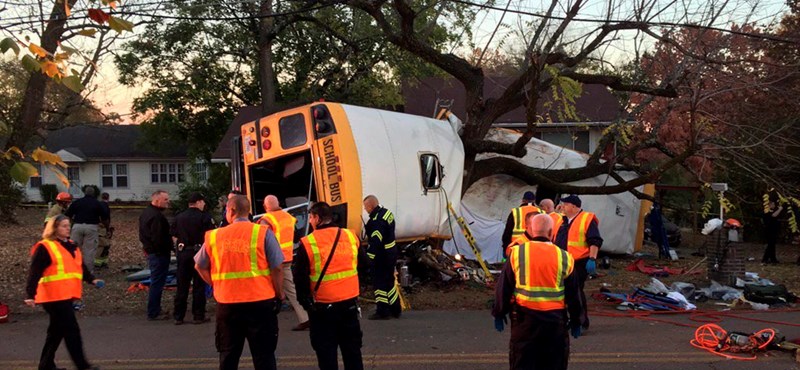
[{"x": 665, "y": 271}]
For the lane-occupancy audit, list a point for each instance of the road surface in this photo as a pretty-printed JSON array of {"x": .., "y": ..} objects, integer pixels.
[{"x": 419, "y": 340}]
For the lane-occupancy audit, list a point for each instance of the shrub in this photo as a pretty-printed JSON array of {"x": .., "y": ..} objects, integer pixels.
[
  {"x": 11, "y": 195},
  {"x": 48, "y": 192}
]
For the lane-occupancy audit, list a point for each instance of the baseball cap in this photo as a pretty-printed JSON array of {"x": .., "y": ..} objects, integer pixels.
[
  {"x": 529, "y": 196},
  {"x": 572, "y": 199},
  {"x": 196, "y": 197}
]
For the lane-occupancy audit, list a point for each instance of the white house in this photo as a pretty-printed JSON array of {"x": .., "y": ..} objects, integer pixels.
[{"x": 114, "y": 159}]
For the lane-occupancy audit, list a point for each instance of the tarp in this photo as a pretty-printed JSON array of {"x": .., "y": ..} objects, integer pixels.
[{"x": 487, "y": 203}]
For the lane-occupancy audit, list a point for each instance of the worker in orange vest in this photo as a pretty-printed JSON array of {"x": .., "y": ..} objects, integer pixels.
[
  {"x": 282, "y": 224},
  {"x": 242, "y": 262},
  {"x": 515, "y": 223},
  {"x": 326, "y": 275},
  {"x": 579, "y": 234},
  {"x": 56, "y": 273},
  {"x": 538, "y": 290},
  {"x": 548, "y": 207}
]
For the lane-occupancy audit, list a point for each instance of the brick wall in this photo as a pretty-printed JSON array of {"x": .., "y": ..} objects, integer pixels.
[{"x": 725, "y": 259}]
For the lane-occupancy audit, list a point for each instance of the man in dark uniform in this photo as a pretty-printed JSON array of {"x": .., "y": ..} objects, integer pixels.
[
  {"x": 86, "y": 213},
  {"x": 538, "y": 290},
  {"x": 189, "y": 228},
  {"x": 382, "y": 251}
]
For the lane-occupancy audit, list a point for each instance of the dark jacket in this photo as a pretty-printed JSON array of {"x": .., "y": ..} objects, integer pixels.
[
  {"x": 301, "y": 271},
  {"x": 154, "y": 231},
  {"x": 190, "y": 226},
  {"x": 380, "y": 233},
  {"x": 504, "y": 291}
]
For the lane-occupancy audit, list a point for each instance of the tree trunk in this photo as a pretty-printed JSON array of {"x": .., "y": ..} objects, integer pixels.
[
  {"x": 266, "y": 72},
  {"x": 33, "y": 98}
]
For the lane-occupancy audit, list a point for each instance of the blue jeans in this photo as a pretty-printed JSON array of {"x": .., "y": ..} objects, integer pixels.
[{"x": 159, "y": 267}]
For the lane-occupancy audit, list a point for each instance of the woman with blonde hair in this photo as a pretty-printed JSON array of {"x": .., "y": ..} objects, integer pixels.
[{"x": 57, "y": 270}]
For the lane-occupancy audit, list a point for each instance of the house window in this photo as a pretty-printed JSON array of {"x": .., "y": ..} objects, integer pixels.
[
  {"x": 201, "y": 171},
  {"x": 114, "y": 175},
  {"x": 36, "y": 181},
  {"x": 167, "y": 173},
  {"x": 578, "y": 141},
  {"x": 74, "y": 174},
  {"x": 431, "y": 171}
]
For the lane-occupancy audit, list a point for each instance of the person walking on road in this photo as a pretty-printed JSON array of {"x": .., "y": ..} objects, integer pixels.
[
  {"x": 537, "y": 288},
  {"x": 189, "y": 230},
  {"x": 56, "y": 272},
  {"x": 579, "y": 234},
  {"x": 326, "y": 276},
  {"x": 382, "y": 251},
  {"x": 157, "y": 243},
  {"x": 86, "y": 213},
  {"x": 242, "y": 262},
  {"x": 515, "y": 223},
  {"x": 282, "y": 224}
]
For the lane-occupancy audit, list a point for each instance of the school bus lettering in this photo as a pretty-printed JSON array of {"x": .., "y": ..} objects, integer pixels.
[{"x": 332, "y": 170}]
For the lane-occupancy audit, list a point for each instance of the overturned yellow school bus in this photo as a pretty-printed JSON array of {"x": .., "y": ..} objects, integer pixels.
[{"x": 340, "y": 153}]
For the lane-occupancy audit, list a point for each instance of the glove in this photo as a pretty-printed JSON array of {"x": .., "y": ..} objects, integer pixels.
[
  {"x": 575, "y": 331},
  {"x": 499, "y": 323},
  {"x": 591, "y": 267},
  {"x": 99, "y": 283}
]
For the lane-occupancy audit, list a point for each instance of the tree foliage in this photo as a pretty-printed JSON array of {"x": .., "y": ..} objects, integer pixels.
[{"x": 201, "y": 70}]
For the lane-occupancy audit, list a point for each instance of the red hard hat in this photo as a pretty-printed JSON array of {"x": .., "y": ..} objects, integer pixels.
[
  {"x": 64, "y": 197},
  {"x": 734, "y": 223}
]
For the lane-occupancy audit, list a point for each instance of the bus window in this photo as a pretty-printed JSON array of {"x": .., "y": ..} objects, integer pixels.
[
  {"x": 292, "y": 130},
  {"x": 431, "y": 171}
]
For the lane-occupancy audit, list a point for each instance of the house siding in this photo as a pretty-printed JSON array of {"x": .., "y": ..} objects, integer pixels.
[{"x": 139, "y": 185}]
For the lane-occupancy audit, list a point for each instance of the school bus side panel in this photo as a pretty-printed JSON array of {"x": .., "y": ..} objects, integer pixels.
[{"x": 389, "y": 145}]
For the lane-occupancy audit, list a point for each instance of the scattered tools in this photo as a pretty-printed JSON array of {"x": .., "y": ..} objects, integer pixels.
[
  {"x": 714, "y": 339},
  {"x": 471, "y": 241}
]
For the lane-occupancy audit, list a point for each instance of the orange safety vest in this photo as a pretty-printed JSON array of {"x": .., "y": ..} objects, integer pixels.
[
  {"x": 558, "y": 218},
  {"x": 340, "y": 281},
  {"x": 282, "y": 224},
  {"x": 577, "y": 246},
  {"x": 62, "y": 279},
  {"x": 520, "y": 213},
  {"x": 540, "y": 269},
  {"x": 239, "y": 267},
  {"x": 520, "y": 240}
]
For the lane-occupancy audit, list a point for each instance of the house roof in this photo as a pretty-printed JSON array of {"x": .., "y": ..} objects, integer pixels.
[
  {"x": 245, "y": 115},
  {"x": 596, "y": 104},
  {"x": 96, "y": 142}
]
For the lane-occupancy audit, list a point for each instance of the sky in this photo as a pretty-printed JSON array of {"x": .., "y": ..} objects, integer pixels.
[{"x": 112, "y": 96}]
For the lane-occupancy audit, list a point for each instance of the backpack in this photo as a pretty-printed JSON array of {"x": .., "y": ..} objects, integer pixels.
[{"x": 772, "y": 294}]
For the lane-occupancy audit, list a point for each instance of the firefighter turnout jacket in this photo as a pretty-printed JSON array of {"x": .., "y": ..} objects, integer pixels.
[{"x": 380, "y": 227}]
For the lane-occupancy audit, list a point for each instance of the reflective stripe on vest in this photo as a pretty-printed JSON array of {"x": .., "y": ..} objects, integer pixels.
[
  {"x": 62, "y": 279},
  {"x": 519, "y": 218},
  {"x": 60, "y": 274},
  {"x": 577, "y": 245},
  {"x": 536, "y": 287},
  {"x": 284, "y": 231},
  {"x": 312, "y": 241},
  {"x": 254, "y": 270}
]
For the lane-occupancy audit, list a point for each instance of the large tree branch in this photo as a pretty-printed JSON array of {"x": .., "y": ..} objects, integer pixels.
[{"x": 617, "y": 83}]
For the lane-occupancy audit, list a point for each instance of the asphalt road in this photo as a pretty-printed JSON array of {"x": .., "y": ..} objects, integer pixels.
[{"x": 419, "y": 340}]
